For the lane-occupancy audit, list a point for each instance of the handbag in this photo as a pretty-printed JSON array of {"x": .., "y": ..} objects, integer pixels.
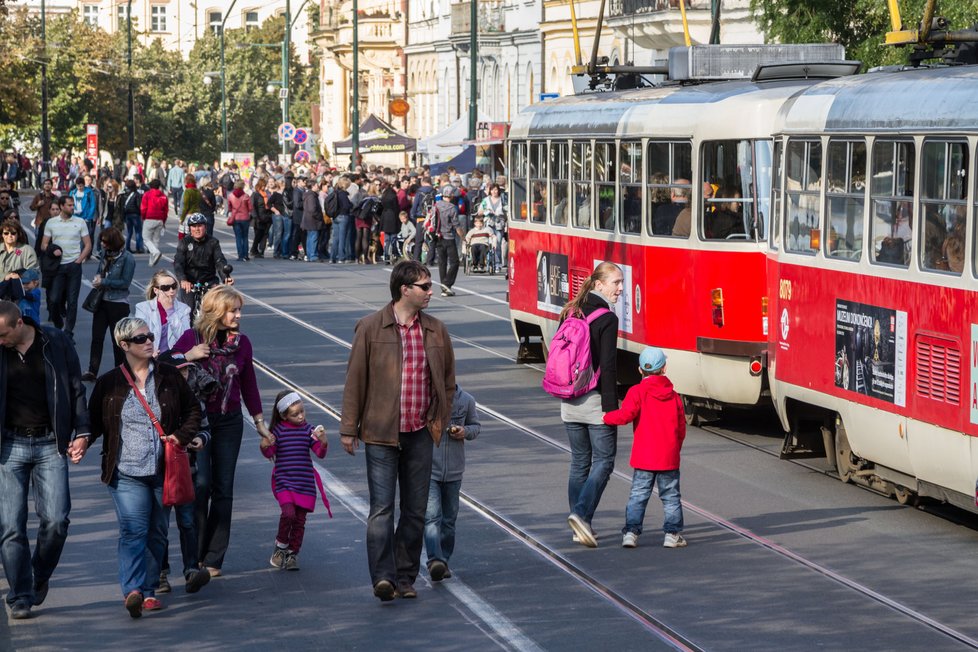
[
  {"x": 178, "y": 485},
  {"x": 94, "y": 299}
]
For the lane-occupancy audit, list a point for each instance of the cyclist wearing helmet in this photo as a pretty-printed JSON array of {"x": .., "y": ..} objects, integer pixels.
[{"x": 199, "y": 259}]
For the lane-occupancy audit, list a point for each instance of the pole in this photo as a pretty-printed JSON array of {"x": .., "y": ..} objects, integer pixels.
[
  {"x": 356, "y": 87},
  {"x": 45, "y": 138},
  {"x": 286, "y": 42},
  {"x": 473, "y": 62},
  {"x": 224, "y": 91},
  {"x": 132, "y": 126}
]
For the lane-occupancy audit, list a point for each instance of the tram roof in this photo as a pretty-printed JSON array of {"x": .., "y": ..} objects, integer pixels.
[
  {"x": 914, "y": 100},
  {"x": 638, "y": 111}
]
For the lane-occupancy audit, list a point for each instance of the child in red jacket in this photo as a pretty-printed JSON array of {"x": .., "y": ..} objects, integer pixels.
[{"x": 660, "y": 427}]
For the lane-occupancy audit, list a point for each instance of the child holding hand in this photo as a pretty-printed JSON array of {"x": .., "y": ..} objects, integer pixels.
[
  {"x": 294, "y": 480},
  {"x": 660, "y": 428}
]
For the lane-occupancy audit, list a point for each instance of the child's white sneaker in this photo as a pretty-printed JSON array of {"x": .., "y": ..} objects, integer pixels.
[
  {"x": 674, "y": 540},
  {"x": 630, "y": 540}
]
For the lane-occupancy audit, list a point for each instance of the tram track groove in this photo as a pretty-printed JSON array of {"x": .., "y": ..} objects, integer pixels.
[{"x": 717, "y": 520}]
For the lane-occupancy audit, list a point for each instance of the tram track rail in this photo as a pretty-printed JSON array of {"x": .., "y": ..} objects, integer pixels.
[{"x": 707, "y": 515}]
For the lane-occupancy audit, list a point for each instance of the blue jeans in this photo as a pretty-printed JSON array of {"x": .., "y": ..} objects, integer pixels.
[
  {"x": 134, "y": 226},
  {"x": 312, "y": 242},
  {"x": 593, "y": 451},
  {"x": 63, "y": 297},
  {"x": 285, "y": 239},
  {"x": 177, "y": 194},
  {"x": 187, "y": 525},
  {"x": 278, "y": 231},
  {"x": 215, "y": 487},
  {"x": 642, "y": 482},
  {"x": 439, "y": 520},
  {"x": 396, "y": 554},
  {"x": 241, "y": 238},
  {"x": 26, "y": 460},
  {"x": 142, "y": 531},
  {"x": 340, "y": 243}
]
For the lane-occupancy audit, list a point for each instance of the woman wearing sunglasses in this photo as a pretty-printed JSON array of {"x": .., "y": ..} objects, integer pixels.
[
  {"x": 115, "y": 271},
  {"x": 16, "y": 255},
  {"x": 166, "y": 317},
  {"x": 126, "y": 403}
]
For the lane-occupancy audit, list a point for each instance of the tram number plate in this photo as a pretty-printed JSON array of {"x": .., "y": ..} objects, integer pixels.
[{"x": 784, "y": 289}]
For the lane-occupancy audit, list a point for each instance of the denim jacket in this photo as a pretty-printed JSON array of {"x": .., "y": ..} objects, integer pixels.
[
  {"x": 448, "y": 461},
  {"x": 118, "y": 277}
]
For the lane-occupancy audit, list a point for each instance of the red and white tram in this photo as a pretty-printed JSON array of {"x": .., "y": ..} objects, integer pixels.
[
  {"x": 673, "y": 183},
  {"x": 874, "y": 302}
]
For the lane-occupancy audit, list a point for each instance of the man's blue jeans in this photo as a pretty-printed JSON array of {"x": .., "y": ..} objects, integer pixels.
[
  {"x": 214, "y": 484},
  {"x": 395, "y": 555},
  {"x": 285, "y": 239},
  {"x": 26, "y": 460},
  {"x": 177, "y": 195},
  {"x": 63, "y": 297},
  {"x": 439, "y": 520},
  {"x": 142, "y": 531},
  {"x": 593, "y": 449},
  {"x": 642, "y": 483},
  {"x": 134, "y": 228},
  {"x": 312, "y": 244},
  {"x": 278, "y": 230},
  {"x": 340, "y": 249},
  {"x": 241, "y": 237}
]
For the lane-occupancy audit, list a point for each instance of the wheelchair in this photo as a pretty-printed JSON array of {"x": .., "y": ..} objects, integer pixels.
[{"x": 488, "y": 266}]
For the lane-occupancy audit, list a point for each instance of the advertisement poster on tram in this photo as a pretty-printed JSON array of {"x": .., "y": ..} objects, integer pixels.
[
  {"x": 553, "y": 282},
  {"x": 974, "y": 373},
  {"x": 871, "y": 351}
]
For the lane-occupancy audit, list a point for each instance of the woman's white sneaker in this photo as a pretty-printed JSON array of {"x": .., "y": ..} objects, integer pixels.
[{"x": 674, "y": 540}]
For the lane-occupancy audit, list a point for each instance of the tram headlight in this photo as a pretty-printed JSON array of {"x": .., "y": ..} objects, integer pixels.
[{"x": 717, "y": 300}]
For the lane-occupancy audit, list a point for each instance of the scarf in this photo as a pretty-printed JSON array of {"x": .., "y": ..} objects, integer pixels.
[
  {"x": 237, "y": 192},
  {"x": 222, "y": 364}
]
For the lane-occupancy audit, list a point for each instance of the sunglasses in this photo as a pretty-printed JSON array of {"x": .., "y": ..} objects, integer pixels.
[
  {"x": 424, "y": 287},
  {"x": 166, "y": 288},
  {"x": 142, "y": 338},
  {"x": 10, "y": 233}
]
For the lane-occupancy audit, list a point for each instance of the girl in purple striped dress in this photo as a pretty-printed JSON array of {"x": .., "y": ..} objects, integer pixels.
[{"x": 294, "y": 480}]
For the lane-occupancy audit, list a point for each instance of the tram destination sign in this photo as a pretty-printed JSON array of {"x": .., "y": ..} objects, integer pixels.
[{"x": 871, "y": 351}]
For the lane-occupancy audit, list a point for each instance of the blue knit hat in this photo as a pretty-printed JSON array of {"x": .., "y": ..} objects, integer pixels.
[{"x": 652, "y": 359}]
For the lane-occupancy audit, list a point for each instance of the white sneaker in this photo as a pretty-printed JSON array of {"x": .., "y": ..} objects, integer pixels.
[
  {"x": 674, "y": 540},
  {"x": 155, "y": 258},
  {"x": 582, "y": 530},
  {"x": 630, "y": 540}
]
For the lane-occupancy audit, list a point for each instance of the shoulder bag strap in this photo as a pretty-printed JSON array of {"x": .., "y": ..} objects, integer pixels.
[{"x": 142, "y": 399}]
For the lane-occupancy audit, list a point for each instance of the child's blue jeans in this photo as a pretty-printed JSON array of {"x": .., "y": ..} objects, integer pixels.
[
  {"x": 642, "y": 483},
  {"x": 439, "y": 520}
]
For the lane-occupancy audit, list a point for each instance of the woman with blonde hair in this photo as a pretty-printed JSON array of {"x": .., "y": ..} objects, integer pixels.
[
  {"x": 166, "y": 317},
  {"x": 593, "y": 444},
  {"x": 218, "y": 346}
]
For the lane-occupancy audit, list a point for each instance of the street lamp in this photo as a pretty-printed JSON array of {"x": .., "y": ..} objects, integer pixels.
[
  {"x": 209, "y": 78},
  {"x": 283, "y": 82},
  {"x": 45, "y": 137}
]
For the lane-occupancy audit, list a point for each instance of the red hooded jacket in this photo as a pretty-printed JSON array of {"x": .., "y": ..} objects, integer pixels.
[
  {"x": 154, "y": 205},
  {"x": 660, "y": 423}
]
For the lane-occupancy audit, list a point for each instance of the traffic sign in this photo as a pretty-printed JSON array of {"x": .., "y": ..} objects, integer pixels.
[
  {"x": 286, "y": 131},
  {"x": 300, "y": 136},
  {"x": 302, "y": 156}
]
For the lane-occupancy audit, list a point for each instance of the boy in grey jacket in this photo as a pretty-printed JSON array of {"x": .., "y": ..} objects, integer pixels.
[{"x": 447, "y": 466}]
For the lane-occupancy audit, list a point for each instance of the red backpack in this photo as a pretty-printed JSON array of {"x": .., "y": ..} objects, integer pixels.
[{"x": 569, "y": 372}]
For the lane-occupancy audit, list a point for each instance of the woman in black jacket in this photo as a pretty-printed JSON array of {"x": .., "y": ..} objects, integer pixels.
[
  {"x": 208, "y": 203},
  {"x": 390, "y": 225},
  {"x": 593, "y": 444}
]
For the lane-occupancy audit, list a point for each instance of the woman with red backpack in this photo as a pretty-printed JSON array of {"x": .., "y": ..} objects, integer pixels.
[{"x": 593, "y": 444}]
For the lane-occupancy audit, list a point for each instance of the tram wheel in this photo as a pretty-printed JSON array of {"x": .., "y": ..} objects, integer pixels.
[
  {"x": 693, "y": 412},
  {"x": 843, "y": 454},
  {"x": 905, "y": 496}
]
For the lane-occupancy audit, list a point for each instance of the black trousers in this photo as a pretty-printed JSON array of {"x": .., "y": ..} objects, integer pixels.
[
  {"x": 109, "y": 314},
  {"x": 447, "y": 252},
  {"x": 261, "y": 238}
]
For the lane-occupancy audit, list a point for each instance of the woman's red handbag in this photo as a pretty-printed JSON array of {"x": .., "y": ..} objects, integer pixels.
[{"x": 178, "y": 484}]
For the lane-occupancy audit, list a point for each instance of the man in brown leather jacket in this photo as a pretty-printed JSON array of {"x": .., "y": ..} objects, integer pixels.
[{"x": 401, "y": 357}]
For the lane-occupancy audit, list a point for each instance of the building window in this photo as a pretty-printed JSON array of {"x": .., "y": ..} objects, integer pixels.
[
  {"x": 214, "y": 19},
  {"x": 251, "y": 20},
  {"x": 90, "y": 15},
  {"x": 158, "y": 18},
  {"x": 122, "y": 14}
]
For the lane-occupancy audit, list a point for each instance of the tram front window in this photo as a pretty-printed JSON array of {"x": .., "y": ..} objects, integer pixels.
[{"x": 728, "y": 197}]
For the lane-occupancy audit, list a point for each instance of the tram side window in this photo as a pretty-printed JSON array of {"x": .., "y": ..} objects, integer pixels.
[
  {"x": 517, "y": 154},
  {"x": 669, "y": 167},
  {"x": 581, "y": 178},
  {"x": 538, "y": 182},
  {"x": 727, "y": 191},
  {"x": 630, "y": 175},
  {"x": 803, "y": 181},
  {"x": 846, "y": 198},
  {"x": 892, "y": 194},
  {"x": 943, "y": 205},
  {"x": 558, "y": 184},
  {"x": 604, "y": 181}
]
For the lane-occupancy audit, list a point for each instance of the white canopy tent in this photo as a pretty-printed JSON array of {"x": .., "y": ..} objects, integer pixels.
[{"x": 447, "y": 143}]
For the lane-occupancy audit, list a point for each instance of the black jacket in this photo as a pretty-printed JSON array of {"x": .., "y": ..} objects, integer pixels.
[
  {"x": 389, "y": 223},
  {"x": 65, "y": 392},
  {"x": 208, "y": 202},
  {"x": 312, "y": 212},
  {"x": 199, "y": 261},
  {"x": 604, "y": 350}
]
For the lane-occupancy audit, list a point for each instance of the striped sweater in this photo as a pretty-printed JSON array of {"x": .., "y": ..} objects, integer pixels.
[{"x": 294, "y": 479}]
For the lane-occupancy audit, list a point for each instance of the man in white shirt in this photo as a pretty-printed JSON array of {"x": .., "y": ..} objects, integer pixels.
[{"x": 71, "y": 234}]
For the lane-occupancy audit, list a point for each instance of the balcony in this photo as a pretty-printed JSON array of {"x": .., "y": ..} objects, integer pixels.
[
  {"x": 618, "y": 8},
  {"x": 491, "y": 18}
]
